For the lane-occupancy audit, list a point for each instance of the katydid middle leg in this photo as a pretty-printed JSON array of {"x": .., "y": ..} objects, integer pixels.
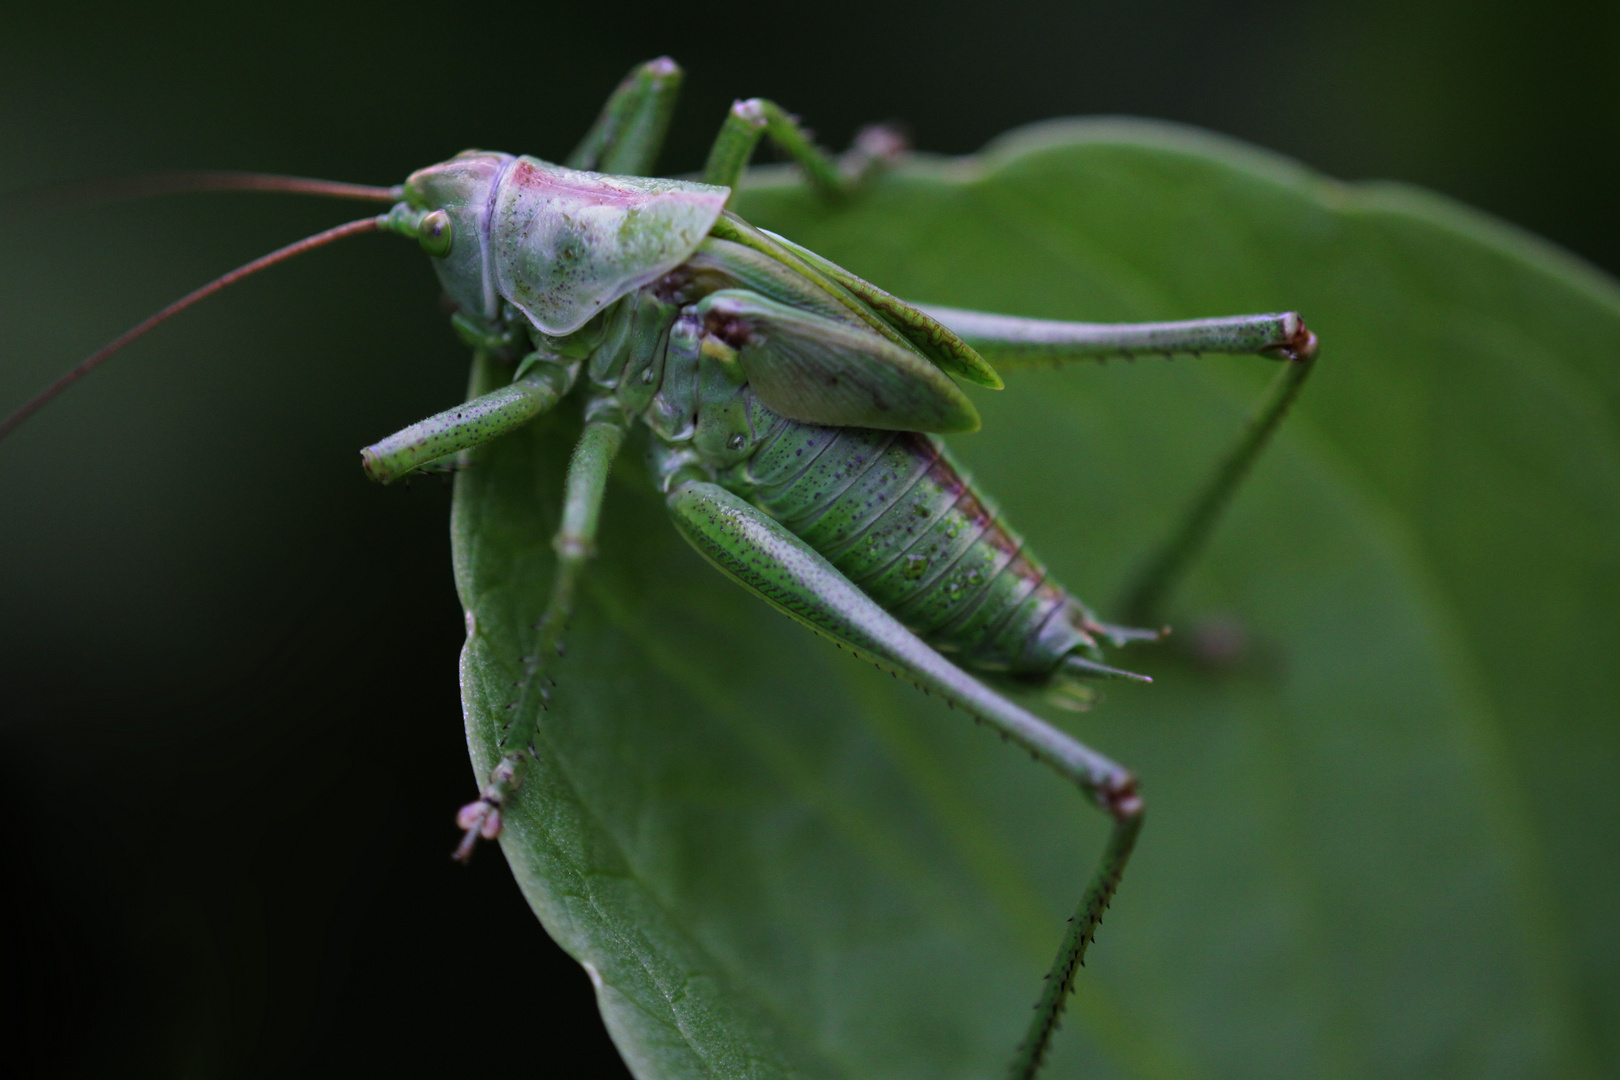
[
  {"x": 756, "y": 551},
  {"x": 1011, "y": 342},
  {"x": 574, "y": 543},
  {"x": 756, "y": 118},
  {"x": 629, "y": 133}
]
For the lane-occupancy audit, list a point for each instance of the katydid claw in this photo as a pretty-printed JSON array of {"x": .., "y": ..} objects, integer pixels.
[
  {"x": 876, "y": 147},
  {"x": 1121, "y": 799},
  {"x": 480, "y": 819},
  {"x": 1298, "y": 344}
]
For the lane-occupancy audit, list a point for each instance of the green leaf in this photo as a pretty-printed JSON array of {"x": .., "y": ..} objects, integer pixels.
[{"x": 1386, "y": 845}]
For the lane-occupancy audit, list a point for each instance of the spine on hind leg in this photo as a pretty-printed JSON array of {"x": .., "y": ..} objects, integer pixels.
[{"x": 898, "y": 518}]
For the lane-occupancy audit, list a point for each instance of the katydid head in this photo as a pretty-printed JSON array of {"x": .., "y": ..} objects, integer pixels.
[
  {"x": 557, "y": 244},
  {"x": 447, "y": 208}
]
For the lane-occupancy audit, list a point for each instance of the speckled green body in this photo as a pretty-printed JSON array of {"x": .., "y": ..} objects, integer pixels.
[
  {"x": 895, "y": 515},
  {"x": 889, "y": 509},
  {"x": 755, "y": 365},
  {"x": 760, "y": 367}
]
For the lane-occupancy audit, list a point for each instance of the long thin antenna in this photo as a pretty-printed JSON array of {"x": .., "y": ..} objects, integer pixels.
[
  {"x": 54, "y": 197},
  {"x": 44, "y": 397}
]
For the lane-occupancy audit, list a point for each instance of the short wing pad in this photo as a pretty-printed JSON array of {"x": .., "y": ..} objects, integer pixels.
[
  {"x": 887, "y": 314},
  {"x": 820, "y": 370},
  {"x": 723, "y": 264},
  {"x": 937, "y": 341}
]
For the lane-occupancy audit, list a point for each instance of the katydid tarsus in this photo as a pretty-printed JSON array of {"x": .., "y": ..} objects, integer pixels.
[{"x": 794, "y": 412}]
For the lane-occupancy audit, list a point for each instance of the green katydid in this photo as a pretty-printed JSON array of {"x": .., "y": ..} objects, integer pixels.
[{"x": 793, "y": 411}]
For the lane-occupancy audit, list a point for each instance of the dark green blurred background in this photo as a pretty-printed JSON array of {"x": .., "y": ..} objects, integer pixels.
[{"x": 230, "y": 744}]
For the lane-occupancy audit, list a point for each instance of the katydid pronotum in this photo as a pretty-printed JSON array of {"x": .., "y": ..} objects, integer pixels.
[{"x": 794, "y": 411}]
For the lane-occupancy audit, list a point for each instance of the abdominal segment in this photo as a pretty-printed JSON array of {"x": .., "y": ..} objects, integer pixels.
[{"x": 892, "y": 512}]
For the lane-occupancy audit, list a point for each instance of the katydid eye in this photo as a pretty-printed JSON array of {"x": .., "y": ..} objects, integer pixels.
[{"x": 434, "y": 234}]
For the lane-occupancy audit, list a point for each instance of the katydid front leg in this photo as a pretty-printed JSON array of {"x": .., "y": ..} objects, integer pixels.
[
  {"x": 762, "y": 555},
  {"x": 1011, "y": 342},
  {"x": 473, "y": 422},
  {"x": 574, "y": 543}
]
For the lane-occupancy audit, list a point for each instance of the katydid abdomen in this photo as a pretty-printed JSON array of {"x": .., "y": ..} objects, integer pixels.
[
  {"x": 887, "y": 507},
  {"x": 895, "y": 515}
]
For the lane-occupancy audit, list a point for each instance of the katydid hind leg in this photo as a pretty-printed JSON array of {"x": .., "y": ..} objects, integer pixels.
[
  {"x": 574, "y": 543},
  {"x": 765, "y": 557},
  {"x": 1148, "y": 590}
]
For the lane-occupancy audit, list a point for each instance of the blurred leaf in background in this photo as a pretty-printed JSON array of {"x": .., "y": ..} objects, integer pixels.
[{"x": 1383, "y": 842}]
